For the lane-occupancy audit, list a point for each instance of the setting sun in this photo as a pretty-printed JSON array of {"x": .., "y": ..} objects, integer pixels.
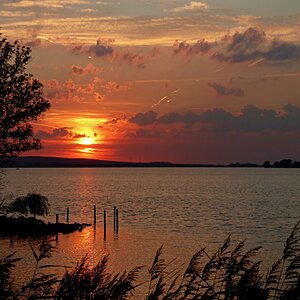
[{"x": 86, "y": 141}]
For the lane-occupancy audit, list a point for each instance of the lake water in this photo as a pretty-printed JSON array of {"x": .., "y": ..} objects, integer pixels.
[{"x": 184, "y": 209}]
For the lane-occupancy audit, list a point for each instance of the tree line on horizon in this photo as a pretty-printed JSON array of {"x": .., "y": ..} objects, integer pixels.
[{"x": 284, "y": 163}]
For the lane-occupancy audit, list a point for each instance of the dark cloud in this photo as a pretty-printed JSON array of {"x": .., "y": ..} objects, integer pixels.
[
  {"x": 56, "y": 133},
  {"x": 78, "y": 135},
  {"x": 186, "y": 118},
  {"x": 102, "y": 48},
  {"x": 253, "y": 44},
  {"x": 222, "y": 90},
  {"x": 60, "y": 133},
  {"x": 254, "y": 119},
  {"x": 251, "y": 119},
  {"x": 116, "y": 54},
  {"x": 115, "y": 120},
  {"x": 200, "y": 47},
  {"x": 135, "y": 58},
  {"x": 249, "y": 46},
  {"x": 215, "y": 115},
  {"x": 282, "y": 50},
  {"x": 143, "y": 119},
  {"x": 112, "y": 121},
  {"x": 131, "y": 58},
  {"x": 251, "y": 39}
]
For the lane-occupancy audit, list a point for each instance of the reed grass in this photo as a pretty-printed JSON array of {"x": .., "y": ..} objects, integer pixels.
[{"x": 230, "y": 273}]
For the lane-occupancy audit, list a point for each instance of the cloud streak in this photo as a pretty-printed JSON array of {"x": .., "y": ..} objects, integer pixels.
[{"x": 45, "y": 3}]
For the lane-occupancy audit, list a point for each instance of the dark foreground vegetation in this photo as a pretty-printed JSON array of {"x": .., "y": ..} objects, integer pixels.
[
  {"x": 14, "y": 220},
  {"x": 232, "y": 272}
]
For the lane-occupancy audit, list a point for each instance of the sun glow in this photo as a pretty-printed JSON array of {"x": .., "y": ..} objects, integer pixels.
[
  {"x": 86, "y": 144},
  {"x": 86, "y": 141}
]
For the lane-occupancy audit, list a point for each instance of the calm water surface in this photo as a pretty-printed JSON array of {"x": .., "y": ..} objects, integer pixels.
[{"x": 182, "y": 208}]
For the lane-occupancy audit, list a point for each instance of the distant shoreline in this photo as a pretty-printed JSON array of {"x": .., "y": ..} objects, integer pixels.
[{"x": 58, "y": 162}]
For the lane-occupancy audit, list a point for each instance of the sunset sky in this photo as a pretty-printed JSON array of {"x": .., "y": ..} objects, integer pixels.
[{"x": 170, "y": 80}]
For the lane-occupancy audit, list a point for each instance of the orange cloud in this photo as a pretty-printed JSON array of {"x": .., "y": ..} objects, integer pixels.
[
  {"x": 94, "y": 91},
  {"x": 88, "y": 69}
]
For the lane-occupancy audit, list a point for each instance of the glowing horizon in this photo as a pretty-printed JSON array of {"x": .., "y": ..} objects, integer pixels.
[{"x": 182, "y": 81}]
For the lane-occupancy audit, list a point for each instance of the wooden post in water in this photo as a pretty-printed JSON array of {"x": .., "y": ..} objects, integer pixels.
[
  {"x": 57, "y": 219},
  {"x": 95, "y": 218},
  {"x": 115, "y": 218},
  {"x": 117, "y": 221},
  {"x": 68, "y": 215},
  {"x": 104, "y": 225}
]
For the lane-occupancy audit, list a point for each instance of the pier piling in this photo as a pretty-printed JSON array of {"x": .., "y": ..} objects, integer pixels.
[
  {"x": 57, "y": 219},
  {"x": 95, "y": 217},
  {"x": 104, "y": 225},
  {"x": 115, "y": 218},
  {"x": 117, "y": 221},
  {"x": 68, "y": 212}
]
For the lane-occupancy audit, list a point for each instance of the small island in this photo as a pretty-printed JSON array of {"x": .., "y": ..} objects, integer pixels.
[{"x": 14, "y": 220}]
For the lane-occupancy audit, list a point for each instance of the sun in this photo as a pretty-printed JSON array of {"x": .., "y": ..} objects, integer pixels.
[{"x": 86, "y": 141}]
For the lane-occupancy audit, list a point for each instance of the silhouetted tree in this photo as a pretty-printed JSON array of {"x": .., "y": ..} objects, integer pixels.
[
  {"x": 266, "y": 164},
  {"x": 21, "y": 100},
  {"x": 285, "y": 163},
  {"x": 296, "y": 164},
  {"x": 34, "y": 204}
]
